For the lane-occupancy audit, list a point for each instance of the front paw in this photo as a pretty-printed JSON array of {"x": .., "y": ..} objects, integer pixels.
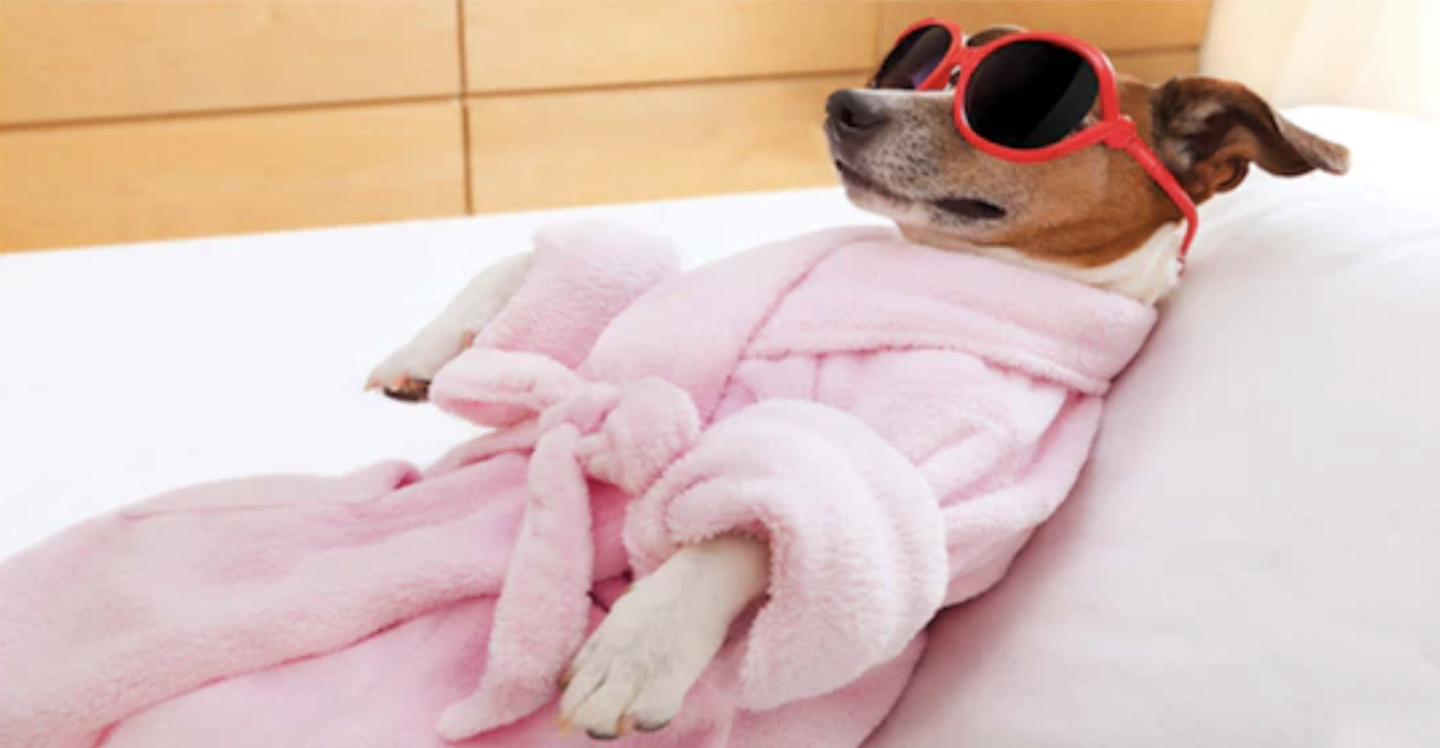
[
  {"x": 636, "y": 668},
  {"x": 406, "y": 374}
]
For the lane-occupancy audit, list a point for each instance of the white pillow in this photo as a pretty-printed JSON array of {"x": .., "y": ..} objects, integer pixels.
[{"x": 1252, "y": 558}]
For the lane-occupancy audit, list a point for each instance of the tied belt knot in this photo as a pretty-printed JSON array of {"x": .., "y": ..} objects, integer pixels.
[{"x": 577, "y": 430}]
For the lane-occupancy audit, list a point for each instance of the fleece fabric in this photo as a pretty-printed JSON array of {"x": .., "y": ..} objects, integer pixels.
[{"x": 895, "y": 420}]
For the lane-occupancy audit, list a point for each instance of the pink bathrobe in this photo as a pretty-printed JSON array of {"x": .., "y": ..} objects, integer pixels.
[{"x": 895, "y": 420}]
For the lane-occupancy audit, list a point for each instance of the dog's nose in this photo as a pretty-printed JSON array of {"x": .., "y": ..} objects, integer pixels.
[{"x": 856, "y": 113}]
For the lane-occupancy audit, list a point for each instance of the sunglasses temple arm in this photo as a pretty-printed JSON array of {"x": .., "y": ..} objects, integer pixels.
[{"x": 1162, "y": 177}]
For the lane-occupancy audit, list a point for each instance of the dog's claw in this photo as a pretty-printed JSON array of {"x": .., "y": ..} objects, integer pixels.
[
  {"x": 623, "y": 729},
  {"x": 409, "y": 390},
  {"x": 406, "y": 374},
  {"x": 656, "y": 727}
]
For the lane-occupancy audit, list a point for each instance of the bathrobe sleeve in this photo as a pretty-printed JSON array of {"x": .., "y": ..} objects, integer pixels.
[
  {"x": 856, "y": 536},
  {"x": 889, "y": 484},
  {"x": 582, "y": 277}
]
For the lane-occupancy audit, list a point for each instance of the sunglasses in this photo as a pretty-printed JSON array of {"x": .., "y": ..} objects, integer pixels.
[{"x": 1027, "y": 98}]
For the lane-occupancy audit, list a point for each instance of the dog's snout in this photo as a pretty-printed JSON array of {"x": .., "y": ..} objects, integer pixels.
[{"x": 855, "y": 113}]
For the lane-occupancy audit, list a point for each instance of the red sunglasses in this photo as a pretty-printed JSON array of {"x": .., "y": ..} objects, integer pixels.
[{"x": 1025, "y": 97}]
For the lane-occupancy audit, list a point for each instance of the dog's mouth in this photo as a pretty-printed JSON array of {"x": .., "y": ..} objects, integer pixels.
[
  {"x": 970, "y": 209},
  {"x": 964, "y": 208}
]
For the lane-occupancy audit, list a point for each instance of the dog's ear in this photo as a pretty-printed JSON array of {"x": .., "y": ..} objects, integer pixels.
[
  {"x": 981, "y": 38},
  {"x": 1209, "y": 131}
]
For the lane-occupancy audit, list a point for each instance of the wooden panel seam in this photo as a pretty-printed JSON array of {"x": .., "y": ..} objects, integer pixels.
[
  {"x": 676, "y": 83},
  {"x": 1158, "y": 67},
  {"x": 318, "y": 106},
  {"x": 463, "y": 60}
]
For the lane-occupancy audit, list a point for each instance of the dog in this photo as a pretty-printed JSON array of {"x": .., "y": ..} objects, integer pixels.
[{"x": 1093, "y": 217}]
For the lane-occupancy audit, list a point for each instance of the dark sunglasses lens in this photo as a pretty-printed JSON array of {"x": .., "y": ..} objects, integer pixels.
[
  {"x": 913, "y": 59},
  {"x": 1030, "y": 95}
]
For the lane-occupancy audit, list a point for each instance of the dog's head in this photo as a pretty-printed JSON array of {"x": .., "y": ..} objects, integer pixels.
[{"x": 1088, "y": 215}]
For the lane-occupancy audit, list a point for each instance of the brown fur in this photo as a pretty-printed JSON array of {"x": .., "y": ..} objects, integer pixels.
[{"x": 1088, "y": 209}]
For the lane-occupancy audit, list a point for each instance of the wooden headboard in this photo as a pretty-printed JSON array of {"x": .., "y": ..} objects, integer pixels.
[{"x": 128, "y": 120}]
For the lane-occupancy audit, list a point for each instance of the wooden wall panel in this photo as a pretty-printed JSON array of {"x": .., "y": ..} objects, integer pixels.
[
  {"x": 1115, "y": 25},
  {"x": 133, "y": 181},
  {"x": 85, "y": 59},
  {"x": 126, "y": 120},
  {"x": 532, "y": 150},
  {"x": 1157, "y": 67},
  {"x": 541, "y": 44}
]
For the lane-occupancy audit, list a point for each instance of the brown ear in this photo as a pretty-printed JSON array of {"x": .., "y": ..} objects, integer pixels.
[{"x": 1209, "y": 131}]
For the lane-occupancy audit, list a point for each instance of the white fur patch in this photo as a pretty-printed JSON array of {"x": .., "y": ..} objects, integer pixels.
[{"x": 1147, "y": 275}]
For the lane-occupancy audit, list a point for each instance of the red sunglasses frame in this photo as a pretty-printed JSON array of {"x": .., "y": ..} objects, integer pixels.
[{"x": 1115, "y": 129}]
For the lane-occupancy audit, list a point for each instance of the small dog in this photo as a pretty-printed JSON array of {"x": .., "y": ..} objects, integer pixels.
[{"x": 1092, "y": 216}]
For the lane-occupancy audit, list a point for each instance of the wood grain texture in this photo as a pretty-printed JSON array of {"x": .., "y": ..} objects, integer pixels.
[
  {"x": 540, "y": 44},
  {"x": 86, "y": 59},
  {"x": 1157, "y": 67},
  {"x": 134, "y": 181},
  {"x": 582, "y": 147},
  {"x": 1115, "y": 25}
]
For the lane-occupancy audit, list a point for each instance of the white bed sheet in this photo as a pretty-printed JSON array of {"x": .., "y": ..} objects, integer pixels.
[
  {"x": 128, "y": 371},
  {"x": 1250, "y": 558}
]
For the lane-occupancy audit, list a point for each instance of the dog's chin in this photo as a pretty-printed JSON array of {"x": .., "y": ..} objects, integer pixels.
[
  {"x": 867, "y": 194},
  {"x": 860, "y": 187},
  {"x": 880, "y": 202}
]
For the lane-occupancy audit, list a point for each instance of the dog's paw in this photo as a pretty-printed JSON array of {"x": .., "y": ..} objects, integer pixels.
[
  {"x": 636, "y": 668},
  {"x": 406, "y": 374}
]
